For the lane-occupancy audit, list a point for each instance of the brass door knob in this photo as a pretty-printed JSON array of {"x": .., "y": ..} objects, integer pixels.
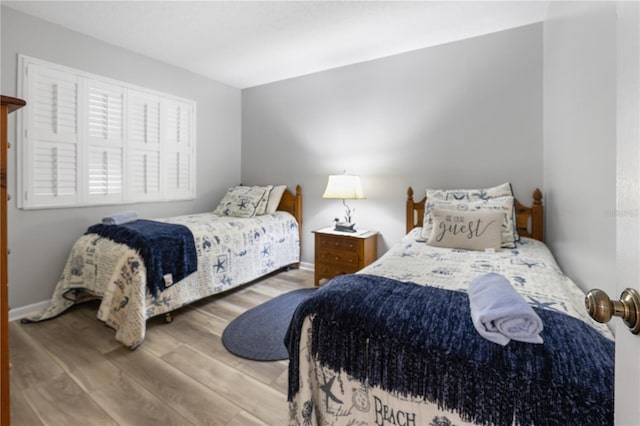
[{"x": 601, "y": 308}]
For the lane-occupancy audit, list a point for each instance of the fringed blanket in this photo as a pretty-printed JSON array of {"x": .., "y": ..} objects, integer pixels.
[
  {"x": 420, "y": 342},
  {"x": 164, "y": 247}
]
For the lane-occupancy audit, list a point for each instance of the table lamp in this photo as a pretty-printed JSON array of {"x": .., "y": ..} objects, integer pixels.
[{"x": 346, "y": 187}]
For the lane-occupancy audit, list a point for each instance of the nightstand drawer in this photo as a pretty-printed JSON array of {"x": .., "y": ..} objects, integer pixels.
[
  {"x": 324, "y": 270},
  {"x": 337, "y": 243},
  {"x": 340, "y": 257},
  {"x": 343, "y": 253}
]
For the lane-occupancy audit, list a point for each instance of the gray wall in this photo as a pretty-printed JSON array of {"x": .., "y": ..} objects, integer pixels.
[
  {"x": 40, "y": 240},
  {"x": 580, "y": 139},
  {"x": 465, "y": 114}
]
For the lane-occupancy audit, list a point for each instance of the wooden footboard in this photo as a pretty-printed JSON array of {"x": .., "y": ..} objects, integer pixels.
[{"x": 529, "y": 220}]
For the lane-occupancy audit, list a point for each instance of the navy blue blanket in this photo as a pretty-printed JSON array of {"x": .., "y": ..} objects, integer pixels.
[
  {"x": 165, "y": 248},
  {"x": 420, "y": 342}
]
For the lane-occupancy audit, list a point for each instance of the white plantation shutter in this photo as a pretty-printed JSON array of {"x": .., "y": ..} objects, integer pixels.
[
  {"x": 55, "y": 107},
  {"x": 144, "y": 146},
  {"x": 178, "y": 123},
  {"x": 144, "y": 119},
  {"x": 88, "y": 140},
  {"x": 145, "y": 174},
  {"x": 105, "y": 140},
  {"x": 54, "y": 181},
  {"x": 105, "y": 176},
  {"x": 105, "y": 111},
  {"x": 179, "y": 149},
  {"x": 52, "y": 148},
  {"x": 179, "y": 180}
]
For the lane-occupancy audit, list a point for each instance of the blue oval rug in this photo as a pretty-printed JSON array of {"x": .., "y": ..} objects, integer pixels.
[{"x": 258, "y": 334}]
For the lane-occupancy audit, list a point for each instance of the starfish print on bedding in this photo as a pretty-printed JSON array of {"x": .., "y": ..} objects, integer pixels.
[
  {"x": 529, "y": 264},
  {"x": 220, "y": 264},
  {"x": 535, "y": 303},
  {"x": 326, "y": 388}
]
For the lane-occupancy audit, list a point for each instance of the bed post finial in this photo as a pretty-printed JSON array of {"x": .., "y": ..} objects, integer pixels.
[
  {"x": 537, "y": 197},
  {"x": 415, "y": 211},
  {"x": 537, "y": 214}
]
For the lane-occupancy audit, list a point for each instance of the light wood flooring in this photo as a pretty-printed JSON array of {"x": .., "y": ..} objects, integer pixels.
[{"x": 72, "y": 371}]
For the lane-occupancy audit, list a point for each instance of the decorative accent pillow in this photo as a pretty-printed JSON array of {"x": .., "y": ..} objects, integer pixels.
[
  {"x": 472, "y": 230},
  {"x": 503, "y": 205},
  {"x": 262, "y": 205},
  {"x": 434, "y": 195},
  {"x": 503, "y": 190},
  {"x": 240, "y": 201},
  {"x": 274, "y": 198}
]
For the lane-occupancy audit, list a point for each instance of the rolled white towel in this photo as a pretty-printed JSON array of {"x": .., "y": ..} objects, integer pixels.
[
  {"x": 120, "y": 218},
  {"x": 500, "y": 314}
]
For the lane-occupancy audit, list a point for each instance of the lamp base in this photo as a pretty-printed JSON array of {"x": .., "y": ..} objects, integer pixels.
[{"x": 345, "y": 227}]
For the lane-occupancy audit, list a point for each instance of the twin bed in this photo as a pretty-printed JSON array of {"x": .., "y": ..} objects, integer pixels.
[
  {"x": 230, "y": 251},
  {"x": 395, "y": 344}
]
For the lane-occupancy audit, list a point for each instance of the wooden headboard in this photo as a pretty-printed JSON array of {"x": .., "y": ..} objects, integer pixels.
[
  {"x": 293, "y": 204},
  {"x": 529, "y": 219}
]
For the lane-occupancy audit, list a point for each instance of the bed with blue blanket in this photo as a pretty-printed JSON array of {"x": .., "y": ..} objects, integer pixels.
[
  {"x": 396, "y": 343},
  {"x": 146, "y": 268}
]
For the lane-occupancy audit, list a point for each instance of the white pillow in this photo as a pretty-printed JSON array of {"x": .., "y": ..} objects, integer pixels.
[
  {"x": 262, "y": 205},
  {"x": 501, "y": 204},
  {"x": 274, "y": 198},
  {"x": 240, "y": 201},
  {"x": 472, "y": 230}
]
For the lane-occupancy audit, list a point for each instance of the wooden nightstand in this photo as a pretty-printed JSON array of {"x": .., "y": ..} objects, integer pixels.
[{"x": 339, "y": 253}]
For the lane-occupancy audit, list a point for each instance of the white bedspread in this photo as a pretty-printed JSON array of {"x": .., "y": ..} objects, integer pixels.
[
  {"x": 332, "y": 398},
  {"x": 231, "y": 252}
]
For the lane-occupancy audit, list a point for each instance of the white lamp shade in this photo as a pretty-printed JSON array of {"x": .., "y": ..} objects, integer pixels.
[{"x": 344, "y": 186}]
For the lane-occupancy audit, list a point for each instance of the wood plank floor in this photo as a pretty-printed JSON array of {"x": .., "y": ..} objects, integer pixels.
[{"x": 72, "y": 371}]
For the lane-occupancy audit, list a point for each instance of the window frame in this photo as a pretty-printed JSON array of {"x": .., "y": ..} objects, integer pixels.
[{"x": 88, "y": 147}]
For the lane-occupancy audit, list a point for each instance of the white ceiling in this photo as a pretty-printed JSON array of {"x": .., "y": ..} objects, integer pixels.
[{"x": 245, "y": 44}]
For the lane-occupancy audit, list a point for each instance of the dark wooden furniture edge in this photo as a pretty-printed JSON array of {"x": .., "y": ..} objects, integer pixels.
[
  {"x": 9, "y": 105},
  {"x": 12, "y": 103},
  {"x": 529, "y": 219},
  {"x": 292, "y": 203}
]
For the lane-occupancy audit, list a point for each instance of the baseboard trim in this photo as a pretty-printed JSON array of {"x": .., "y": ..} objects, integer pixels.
[
  {"x": 25, "y": 311},
  {"x": 307, "y": 266}
]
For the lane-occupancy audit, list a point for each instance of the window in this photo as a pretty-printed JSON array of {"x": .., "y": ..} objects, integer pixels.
[{"x": 89, "y": 140}]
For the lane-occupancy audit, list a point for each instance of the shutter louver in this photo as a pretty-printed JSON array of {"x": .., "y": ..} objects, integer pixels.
[
  {"x": 105, "y": 142},
  {"x": 178, "y": 172},
  {"x": 144, "y": 146},
  {"x": 54, "y": 180},
  {"x": 53, "y": 150},
  {"x": 55, "y": 104},
  {"x": 179, "y": 150},
  {"x": 145, "y": 174},
  {"x": 144, "y": 119},
  {"x": 105, "y": 173},
  {"x": 105, "y": 112}
]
